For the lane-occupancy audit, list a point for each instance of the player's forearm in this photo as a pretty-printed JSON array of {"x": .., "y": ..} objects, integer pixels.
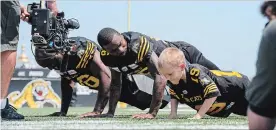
[
  {"x": 102, "y": 99},
  {"x": 115, "y": 92},
  {"x": 157, "y": 95},
  {"x": 100, "y": 103},
  {"x": 156, "y": 102},
  {"x": 103, "y": 93},
  {"x": 205, "y": 107},
  {"x": 66, "y": 96},
  {"x": 174, "y": 106}
]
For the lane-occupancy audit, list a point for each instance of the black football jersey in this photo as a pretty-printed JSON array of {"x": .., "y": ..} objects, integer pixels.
[
  {"x": 78, "y": 67},
  {"x": 140, "y": 48},
  {"x": 202, "y": 83}
]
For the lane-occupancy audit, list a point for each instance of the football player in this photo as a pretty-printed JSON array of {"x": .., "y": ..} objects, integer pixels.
[
  {"x": 85, "y": 67},
  {"x": 135, "y": 53},
  {"x": 212, "y": 92}
]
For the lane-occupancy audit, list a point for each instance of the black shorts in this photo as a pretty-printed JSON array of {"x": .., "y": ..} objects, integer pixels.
[
  {"x": 235, "y": 92},
  {"x": 261, "y": 94},
  {"x": 240, "y": 107},
  {"x": 236, "y": 88},
  {"x": 10, "y": 19},
  {"x": 131, "y": 95}
]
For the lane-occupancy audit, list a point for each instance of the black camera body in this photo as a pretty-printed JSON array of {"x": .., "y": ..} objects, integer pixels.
[
  {"x": 49, "y": 31},
  {"x": 42, "y": 22}
]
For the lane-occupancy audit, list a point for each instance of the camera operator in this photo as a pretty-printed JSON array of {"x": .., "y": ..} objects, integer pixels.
[
  {"x": 11, "y": 13},
  {"x": 50, "y": 4}
]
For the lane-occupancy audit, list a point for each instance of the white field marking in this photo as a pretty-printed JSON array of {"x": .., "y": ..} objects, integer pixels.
[
  {"x": 166, "y": 110},
  {"x": 114, "y": 125}
]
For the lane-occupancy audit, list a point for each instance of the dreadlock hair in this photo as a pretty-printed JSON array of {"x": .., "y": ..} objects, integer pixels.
[
  {"x": 105, "y": 36},
  {"x": 42, "y": 57},
  {"x": 267, "y": 4}
]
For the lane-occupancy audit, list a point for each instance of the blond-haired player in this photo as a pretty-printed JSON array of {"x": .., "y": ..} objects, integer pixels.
[{"x": 212, "y": 92}]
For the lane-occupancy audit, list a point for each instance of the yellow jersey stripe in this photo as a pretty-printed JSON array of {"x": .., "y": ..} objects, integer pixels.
[
  {"x": 80, "y": 62},
  {"x": 210, "y": 90},
  {"x": 145, "y": 49},
  {"x": 140, "y": 49},
  {"x": 144, "y": 69},
  {"x": 172, "y": 91},
  {"x": 210, "y": 85},
  {"x": 226, "y": 73},
  {"x": 87, "y": 55},
  {"x": 176, "y": 97},
  {"x": 91, "y": 55},
  {"x": 214, "y": 90},
  {"x": 82, "y": 58}
]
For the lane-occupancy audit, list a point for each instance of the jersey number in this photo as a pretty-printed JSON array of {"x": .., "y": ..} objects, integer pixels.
[
  {"x": 194, "y": 72},
  {"x": 104, "y": 53},
  {"x": 89, "y": 81},
  {"x": 215, "y": 108},
  {"x": 222, "y": 73}
]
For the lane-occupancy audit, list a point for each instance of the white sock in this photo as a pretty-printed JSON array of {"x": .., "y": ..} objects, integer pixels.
[{"x": 3, "y": 103}]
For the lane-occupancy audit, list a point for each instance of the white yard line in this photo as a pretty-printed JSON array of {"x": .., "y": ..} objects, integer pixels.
[
  {"x": 165, "y": 110},
  {"x": 113, "y": 124}
]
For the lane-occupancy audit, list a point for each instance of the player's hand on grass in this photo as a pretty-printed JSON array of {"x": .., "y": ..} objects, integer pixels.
[
  {"x": 107, "y": 115},
  {"x": 143, "y": 116},
  {"x": 96, "y": 115},
  {"x": 90, "y": 114},
  {"x": 58, "y": 114},
  {"x": 197, "y": 116},
  {"x": 172, "y": 116},
  {"x": 193, "y": 118}
]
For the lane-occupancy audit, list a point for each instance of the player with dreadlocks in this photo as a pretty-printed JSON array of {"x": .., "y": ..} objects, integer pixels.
[{"x": 84, "y": 66}]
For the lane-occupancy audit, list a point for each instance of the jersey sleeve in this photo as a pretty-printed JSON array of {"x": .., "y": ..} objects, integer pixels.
[
  {"x": 173, "y": 94},
  {"x": 142, "y": 46},
  {"x": 210, "y": 88},
  {"x": 106, "y": 58},
  {"x": 86, "y": 53}
]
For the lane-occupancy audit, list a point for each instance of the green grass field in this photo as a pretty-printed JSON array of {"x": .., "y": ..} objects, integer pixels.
[{"x": 35, "y": 119}]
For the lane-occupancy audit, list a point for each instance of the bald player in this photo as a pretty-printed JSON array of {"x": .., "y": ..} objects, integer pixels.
[{"x": 212, "y": 92}]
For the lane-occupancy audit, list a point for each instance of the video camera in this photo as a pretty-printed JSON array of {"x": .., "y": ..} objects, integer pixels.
[{"x": 49, "y": 31}]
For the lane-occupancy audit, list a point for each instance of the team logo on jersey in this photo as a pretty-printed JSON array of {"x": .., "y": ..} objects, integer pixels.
[
  {"x": 185, "y": 92},
  {"x": 230, "y": 105},
  {"x": 205, "y": 81},
  {"x": 72, "y": 72},
  {"x": 135, "y": 47},
  {"x": 80, "y": 53},
  {"x": 35, "y": 94}
]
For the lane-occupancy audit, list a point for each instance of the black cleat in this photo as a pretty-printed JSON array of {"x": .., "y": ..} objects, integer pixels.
[{"x": 9, "y": 113}]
